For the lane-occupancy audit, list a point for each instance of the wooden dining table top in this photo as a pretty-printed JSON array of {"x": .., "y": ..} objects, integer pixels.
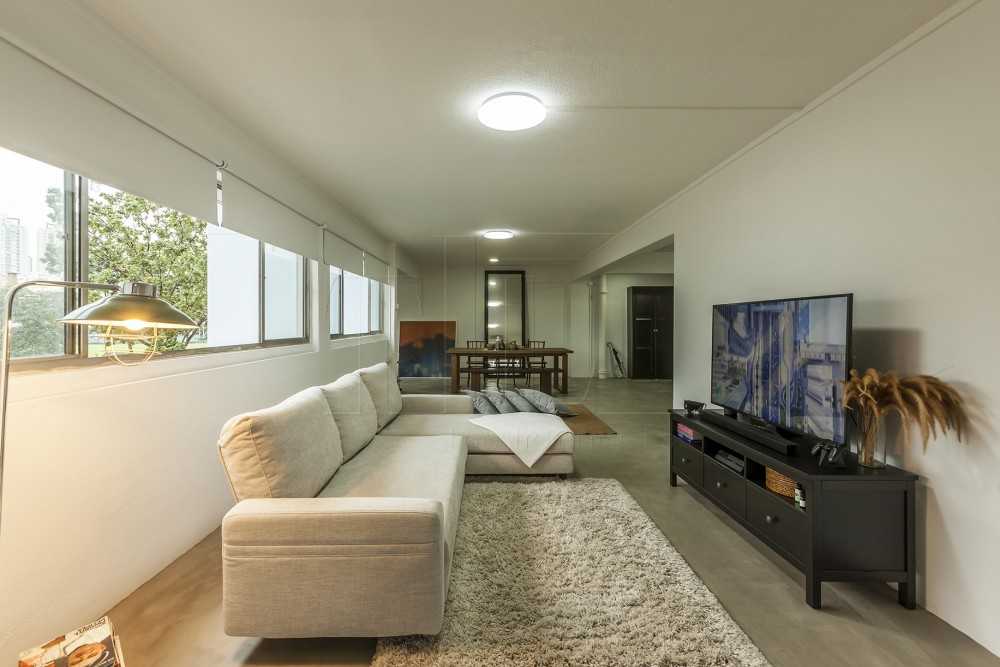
[{"x": 519, "y": 352}]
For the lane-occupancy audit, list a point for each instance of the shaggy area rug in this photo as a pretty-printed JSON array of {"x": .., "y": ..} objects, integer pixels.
[{"x": 570, "y": 573}]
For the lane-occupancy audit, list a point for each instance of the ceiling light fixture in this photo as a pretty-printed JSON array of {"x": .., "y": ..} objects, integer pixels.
[
  {"x": 494, "y": 260},
  {"x": 511, "y": 112},
  {"x": 498, "y": 234}
]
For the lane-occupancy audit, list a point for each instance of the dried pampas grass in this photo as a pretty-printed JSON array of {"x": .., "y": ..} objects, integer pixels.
[{"x": 934, "y": 406}]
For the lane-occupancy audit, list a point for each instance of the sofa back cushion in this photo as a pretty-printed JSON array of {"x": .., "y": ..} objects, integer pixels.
[
  {"x": 290, "y": 450},
  {"x": 381, "y": 383},
  {"x": 354, "y": 412}
]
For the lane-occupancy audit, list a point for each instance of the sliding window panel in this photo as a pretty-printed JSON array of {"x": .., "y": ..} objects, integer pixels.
[
  {"x": 233, "y": 288},
  {"x": 284, "y": 294},
  {"x": 131, "y": 238},
  {"x": 355, "y": 304},
  {"x": 35, "y": 214},
  {"x": 374, "y": 305},
  {"x": 50, "y": 117}
]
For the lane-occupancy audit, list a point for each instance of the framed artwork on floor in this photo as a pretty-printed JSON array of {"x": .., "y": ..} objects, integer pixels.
[{"x": 423, "y": 347}]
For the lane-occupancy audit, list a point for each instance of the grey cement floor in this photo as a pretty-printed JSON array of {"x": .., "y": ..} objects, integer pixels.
[{"x": 175, "y": 619}]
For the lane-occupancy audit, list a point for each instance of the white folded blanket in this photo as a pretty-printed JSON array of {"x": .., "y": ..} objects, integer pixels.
[{"x": 528, "y": 434}]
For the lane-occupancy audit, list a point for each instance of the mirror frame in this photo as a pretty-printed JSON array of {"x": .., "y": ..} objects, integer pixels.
[{"x": 524, "y": 304}]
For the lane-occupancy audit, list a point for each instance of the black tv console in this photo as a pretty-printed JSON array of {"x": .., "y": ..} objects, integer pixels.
[{"x": 859, "y": 523}]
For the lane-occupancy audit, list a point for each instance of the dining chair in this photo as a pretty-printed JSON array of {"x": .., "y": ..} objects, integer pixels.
[
  {"x": 534, "y": 363},
  {"x": 475, "y": 362}
]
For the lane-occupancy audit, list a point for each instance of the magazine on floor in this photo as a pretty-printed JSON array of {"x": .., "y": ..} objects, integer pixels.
[{"x": 93, "y": 645}]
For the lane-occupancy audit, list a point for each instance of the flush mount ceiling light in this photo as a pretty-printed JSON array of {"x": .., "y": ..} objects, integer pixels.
[
  {"x": 494, "y": 260},
  {"x": 498, "y": 234},
  {"x": 511, "y": 112}
]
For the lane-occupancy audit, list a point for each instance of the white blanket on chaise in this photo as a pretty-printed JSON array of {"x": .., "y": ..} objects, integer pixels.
[{"x": 528, "y": 434}]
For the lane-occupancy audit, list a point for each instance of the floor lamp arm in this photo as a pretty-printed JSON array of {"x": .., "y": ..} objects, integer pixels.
[{"x": 5, "y": 361}]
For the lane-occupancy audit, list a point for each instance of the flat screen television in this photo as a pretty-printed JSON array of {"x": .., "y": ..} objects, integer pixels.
[{"x": 783, "y": 361}]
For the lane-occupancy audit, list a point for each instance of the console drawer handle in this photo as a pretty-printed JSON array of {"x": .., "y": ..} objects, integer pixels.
[
  {"x": 719, "y": 485},
  {"x": 684, "y": 459},
  {"x": 770, "y": 519}
]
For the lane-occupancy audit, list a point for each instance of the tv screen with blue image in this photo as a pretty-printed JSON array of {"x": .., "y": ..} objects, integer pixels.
[{"x": 784, "y": 361}]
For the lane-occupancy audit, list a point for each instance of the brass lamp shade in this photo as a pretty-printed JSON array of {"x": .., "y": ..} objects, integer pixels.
[{"x": 136, "y": 306}]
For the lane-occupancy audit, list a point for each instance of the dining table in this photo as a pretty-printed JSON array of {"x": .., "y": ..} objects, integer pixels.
[{"x": 559, "y": 368}]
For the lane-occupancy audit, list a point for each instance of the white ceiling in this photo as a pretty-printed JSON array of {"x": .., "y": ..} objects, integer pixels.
[{"x": 376, "y": 99}]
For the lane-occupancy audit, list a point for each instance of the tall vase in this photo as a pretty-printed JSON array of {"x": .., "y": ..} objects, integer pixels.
[{"x": 871, "y": 449}]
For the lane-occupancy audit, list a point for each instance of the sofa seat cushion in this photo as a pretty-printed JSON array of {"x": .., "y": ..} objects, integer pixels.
[
  {"x": 478, "y": 439},
  {"x": 290, "y": 450},
  {"x": 354, "y": 412},
  {"x": 384, "y": 390},
  {"x": 430, "y": 467}
]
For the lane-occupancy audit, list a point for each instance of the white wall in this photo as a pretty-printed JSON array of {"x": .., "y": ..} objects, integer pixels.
[
  {"x": 558, "y": 310},
  {"x": 887, "y": 188}
]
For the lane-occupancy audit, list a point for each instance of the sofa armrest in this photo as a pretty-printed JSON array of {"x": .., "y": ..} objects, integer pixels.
[
  {"x": 437, "y": 404},
  {"x": 318, "y": 522},
  {"x": 334, "y": 567}
]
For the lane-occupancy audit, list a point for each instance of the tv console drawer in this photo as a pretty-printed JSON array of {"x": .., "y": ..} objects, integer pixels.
[
  {"x": 779, "y": 522},
  {"x": 685, "y": 460},
  {"x": 725, "y": 486}
]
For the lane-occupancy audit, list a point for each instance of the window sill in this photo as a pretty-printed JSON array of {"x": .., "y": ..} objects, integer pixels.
[{"x": 342, "y": 342}]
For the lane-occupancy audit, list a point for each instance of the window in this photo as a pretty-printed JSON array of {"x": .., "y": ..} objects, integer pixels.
[
  {"x": 355, "y": 304},
  {"x": 34, "y": 219},
  {"x": 130, "y": 238},
  {"x": 58, "y": 225},
  {"x": 374, "y": 306},
  {"x": 284, "y": 294},
  {"x": 336, "y": 278}
]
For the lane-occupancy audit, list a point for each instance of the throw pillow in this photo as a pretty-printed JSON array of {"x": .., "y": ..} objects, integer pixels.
[
  {"x": 480, "y": 403},
  {"x": 542, "y": 401},
  {"x": 520, "y": 402},
  {"x": 502, "y": 405}
]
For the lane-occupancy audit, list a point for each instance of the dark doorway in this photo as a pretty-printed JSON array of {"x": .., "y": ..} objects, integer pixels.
[{"x": 651, "y": 332}]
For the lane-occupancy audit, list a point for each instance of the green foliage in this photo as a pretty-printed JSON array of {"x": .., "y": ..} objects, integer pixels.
[{"x": 133, "y": 239}]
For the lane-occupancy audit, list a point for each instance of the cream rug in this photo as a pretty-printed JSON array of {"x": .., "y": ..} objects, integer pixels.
[{"x": 570, "y": 573}]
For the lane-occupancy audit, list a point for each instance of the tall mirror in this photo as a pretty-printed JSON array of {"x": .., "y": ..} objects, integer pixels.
[{"x": 504, "y": 306}]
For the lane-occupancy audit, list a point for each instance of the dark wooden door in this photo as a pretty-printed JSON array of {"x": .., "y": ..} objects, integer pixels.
[{"x": 651, "y": 332}]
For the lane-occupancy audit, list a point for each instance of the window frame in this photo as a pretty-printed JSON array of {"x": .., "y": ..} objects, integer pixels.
[
  {"x": 262, "y": 303},
  {"x": 76, "y": 346},
  {"x": 340, "y": 304},
  {"x": 368, "y": 305}
]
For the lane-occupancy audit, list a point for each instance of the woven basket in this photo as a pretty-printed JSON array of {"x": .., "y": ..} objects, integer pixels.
[{"x": 775, "y": 481}]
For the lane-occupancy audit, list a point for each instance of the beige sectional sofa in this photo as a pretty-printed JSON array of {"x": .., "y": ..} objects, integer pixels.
[{"x": 347, "y": 507}]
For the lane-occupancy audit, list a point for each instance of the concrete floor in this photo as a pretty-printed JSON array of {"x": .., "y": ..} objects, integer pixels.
[{"x": 175, "y": 619}]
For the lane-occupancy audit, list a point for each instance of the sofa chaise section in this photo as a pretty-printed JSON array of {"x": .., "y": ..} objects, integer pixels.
[{"x": 425, "y": 414}]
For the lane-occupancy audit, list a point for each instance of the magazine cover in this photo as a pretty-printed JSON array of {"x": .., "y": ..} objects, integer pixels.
[{"x": 93, "y": 645}]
